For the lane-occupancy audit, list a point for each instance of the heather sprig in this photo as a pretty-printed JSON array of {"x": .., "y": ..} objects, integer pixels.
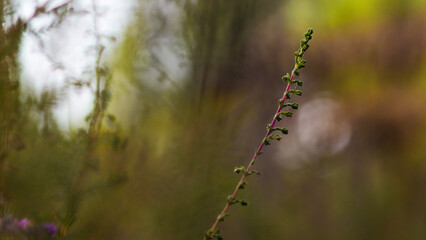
[{"x": 271, "y": 130}]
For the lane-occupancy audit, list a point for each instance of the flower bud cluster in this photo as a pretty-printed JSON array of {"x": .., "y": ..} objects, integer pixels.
[{"x": 214, "y": 231}]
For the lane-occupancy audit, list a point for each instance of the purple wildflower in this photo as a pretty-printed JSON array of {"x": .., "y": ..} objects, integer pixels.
[
  {"x": 25, "y": 225},
  {"x": 22, "y": 222},
  {"x": 50, "y": 228}
]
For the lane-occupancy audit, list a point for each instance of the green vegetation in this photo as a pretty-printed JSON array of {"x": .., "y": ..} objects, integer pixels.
[{"x": 177, "y": 104}]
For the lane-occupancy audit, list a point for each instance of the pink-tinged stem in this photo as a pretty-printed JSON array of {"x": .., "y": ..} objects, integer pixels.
[{"x": 250, "y": 165}]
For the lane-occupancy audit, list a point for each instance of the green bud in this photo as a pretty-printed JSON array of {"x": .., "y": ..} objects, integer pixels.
[
  {"x": 275, "y": 137},
  {"x": 301, "y": 64},
  {"x": 218, "y": 236},
  {"x": 243, "y": 203},
  {"x": 208, "y": 234},
  {"x": 287, "y": 94},
  {"x": 283, "y": 130},
  {"x": 254, "y": 172},
  {"x": 298, "y": 82},
  {"x": 278, "y": 117},
  {"x": 292, "y": 105},
  {"x": 242, "y": 185},
  {"x": 266, "y": 141},
  {"x": 296, "y": 72},
  {"x": 237, "y": 170},
  {"x": 212, "y": 232},
  {"x": 298, "y": 53},
  {"x": 293, "y": 91},
  {"x": 287, "y": 114},
  {"x": 286, "y": 77},
  {"x": 222, "y": 217},
  {"x": 231, "y": 200}
]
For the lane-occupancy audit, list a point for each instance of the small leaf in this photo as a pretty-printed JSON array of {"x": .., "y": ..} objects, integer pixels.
[{"x": 243, "y": 203}]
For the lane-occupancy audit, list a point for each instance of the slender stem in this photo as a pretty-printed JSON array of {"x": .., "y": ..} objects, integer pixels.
[
  {"x": 93, "y": 134},
  {"x": 250, "y": 165},
  {"x": 42, "y": 9},
  {"x": 95, "y": 123}
]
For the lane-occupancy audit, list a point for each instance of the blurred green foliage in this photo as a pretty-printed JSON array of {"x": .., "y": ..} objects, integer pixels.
[{"x": 161, "y": 167}]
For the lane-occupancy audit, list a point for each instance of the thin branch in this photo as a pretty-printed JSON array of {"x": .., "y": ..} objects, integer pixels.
[
  {"x": 43, "y": 10},
  {"x": 299, "y": 63},
  {"x": 250, "y": 165}
]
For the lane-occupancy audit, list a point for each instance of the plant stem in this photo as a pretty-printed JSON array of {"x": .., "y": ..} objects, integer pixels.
[
  {"x": 42, "y": 9},
  {"x": 250, "y": 165},
  {"x": 95, "y": 126}
]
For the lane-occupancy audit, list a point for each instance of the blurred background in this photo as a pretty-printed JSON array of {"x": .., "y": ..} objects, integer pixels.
[{"x": 125, "y": 119}]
